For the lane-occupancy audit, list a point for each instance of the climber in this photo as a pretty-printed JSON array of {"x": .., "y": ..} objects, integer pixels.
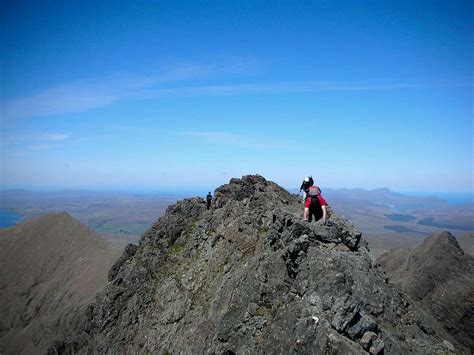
[
  {"x": 315, "y": 205},
  {"x": 208, "y": 200},
  {"x": 307, "y": 182}
]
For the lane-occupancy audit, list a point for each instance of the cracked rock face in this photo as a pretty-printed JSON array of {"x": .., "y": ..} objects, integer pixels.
[{"x": 248, "y": 276}]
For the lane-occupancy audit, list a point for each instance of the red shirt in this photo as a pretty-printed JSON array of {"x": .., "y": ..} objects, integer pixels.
[{"x": 322, "y": 201}]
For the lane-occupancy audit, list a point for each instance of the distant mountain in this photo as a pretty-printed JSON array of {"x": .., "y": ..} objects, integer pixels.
[
  {"x": 383, "y": 197},
  {"x": 50, "y": 269},
  {"x": 466, "y": 242},
  {"x": 440, "y": 276}
]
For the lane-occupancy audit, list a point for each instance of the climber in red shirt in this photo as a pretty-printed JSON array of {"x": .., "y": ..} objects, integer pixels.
[{"x": 315, "y": 205}]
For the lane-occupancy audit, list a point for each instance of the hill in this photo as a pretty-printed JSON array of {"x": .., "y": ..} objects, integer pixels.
[
  {"x": 440, "y": 276},
  {"x": 248, "y": 276},
  {"x": 50, "y": 269}
]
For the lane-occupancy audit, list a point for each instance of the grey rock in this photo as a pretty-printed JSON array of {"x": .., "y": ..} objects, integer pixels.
[
  {"x": 345, "y": 312},
  {"x": 367, "y": 339},
  {"x": 252, "y": 308},
  {"x": 448, "y": 346},
  {"x": 377, "y": 347},
  {"x": 363, "y": 324}
]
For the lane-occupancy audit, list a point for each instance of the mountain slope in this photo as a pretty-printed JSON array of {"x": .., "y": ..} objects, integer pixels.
[
  {"x": 440, "y": 276},
  {"x": 50, "y": 268},
  {"x": 249, "y": 276},
  {"x": 466, "y": 241}
]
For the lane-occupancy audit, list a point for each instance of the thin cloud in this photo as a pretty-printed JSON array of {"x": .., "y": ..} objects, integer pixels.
[
  {"x": 243, "y": 141},
  {"x": 12, "y": 139},
  {"x": 86, "y": 94},
  {"x": 38, "y": 147},
  {"x": 95, "y": 138},
  {"x": 77, "y": 96},
  {"x": 19, "y": 144},
  {"x": 293, "y": 87},
  {"x": 55, "y": 136},
  {"x": 216, "y": 137},
  {"x": 136, "y": 129}
]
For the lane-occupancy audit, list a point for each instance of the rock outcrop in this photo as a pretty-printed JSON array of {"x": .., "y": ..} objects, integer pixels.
[
  {"x": 51, "y": 268},
  {"x": 440, "y": 276},
  {"x": 249, "y": 276}
]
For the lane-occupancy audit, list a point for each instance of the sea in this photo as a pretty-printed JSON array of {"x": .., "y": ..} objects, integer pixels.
[
  {"x": 453, "y": 198},
  {"x": 457, "y": 198},
  {"x": 8, "y": 218}
]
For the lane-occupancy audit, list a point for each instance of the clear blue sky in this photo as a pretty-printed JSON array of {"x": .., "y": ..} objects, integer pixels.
[{"x": 148, "y": 94}]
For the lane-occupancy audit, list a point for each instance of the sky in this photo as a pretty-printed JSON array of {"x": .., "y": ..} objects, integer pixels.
[{"x": 170, "y": 95}]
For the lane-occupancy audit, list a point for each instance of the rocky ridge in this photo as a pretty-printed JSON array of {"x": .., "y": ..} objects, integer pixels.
[{"x": 249, "y": 276}]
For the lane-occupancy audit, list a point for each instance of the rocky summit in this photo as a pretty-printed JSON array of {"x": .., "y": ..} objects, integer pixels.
[{"x": 249, "y": 276}]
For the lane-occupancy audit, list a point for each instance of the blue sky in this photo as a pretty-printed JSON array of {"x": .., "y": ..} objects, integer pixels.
[{"x": 148, "y": 94}]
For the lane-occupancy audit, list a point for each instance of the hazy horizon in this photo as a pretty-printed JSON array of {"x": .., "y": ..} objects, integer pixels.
[{"x": 453, "y": 197}]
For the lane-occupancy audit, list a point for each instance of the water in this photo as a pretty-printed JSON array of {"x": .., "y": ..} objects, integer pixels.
[
  {"x": 458, "y": 198},
  {"x": 8, "y": 218},
  {"x": 453, "y": 198}
]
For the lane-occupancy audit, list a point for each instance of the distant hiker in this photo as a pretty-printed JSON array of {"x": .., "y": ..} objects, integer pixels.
[
  {"x": 315, "y": 205},
  {"x": 208, "y": 200}
]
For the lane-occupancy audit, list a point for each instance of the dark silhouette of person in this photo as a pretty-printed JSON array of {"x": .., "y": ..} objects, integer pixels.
[{"x": 208, "y": 200}]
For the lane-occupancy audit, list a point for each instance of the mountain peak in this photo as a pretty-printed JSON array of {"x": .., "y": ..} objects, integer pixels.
[
  {"x": 441, "y": 240},
  {"x": 249, "y": 276},
  {"x": 439, "y": 276},
  {"x": 51, "y": 267},
  {"x": 249, "y": 186}
]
